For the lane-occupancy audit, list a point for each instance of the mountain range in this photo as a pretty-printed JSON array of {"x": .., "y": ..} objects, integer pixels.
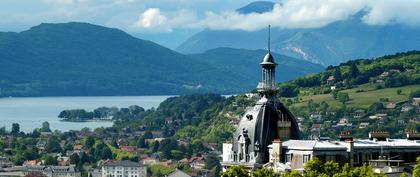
[
  {"x": 329, "y": 45},
  {"x": 69, "y": 59}
]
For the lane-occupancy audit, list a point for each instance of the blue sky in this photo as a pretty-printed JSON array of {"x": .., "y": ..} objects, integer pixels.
[
  {"x": 19, "y": 15},
  {"x": 170, "y": 22}
]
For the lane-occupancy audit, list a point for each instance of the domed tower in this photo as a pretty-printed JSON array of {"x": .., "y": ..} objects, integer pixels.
[{"x": 267, "y": 121}]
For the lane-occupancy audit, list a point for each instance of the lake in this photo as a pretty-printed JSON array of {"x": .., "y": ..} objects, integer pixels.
[{"x": 30, "y": 112}]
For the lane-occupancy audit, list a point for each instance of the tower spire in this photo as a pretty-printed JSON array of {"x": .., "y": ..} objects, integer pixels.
[
  {"x": 269, "y": 38},
  {"x": 267, "y": 86}
]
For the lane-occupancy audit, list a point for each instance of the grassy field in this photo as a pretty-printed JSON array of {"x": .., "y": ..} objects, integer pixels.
[{"x": 362, "y": 99}]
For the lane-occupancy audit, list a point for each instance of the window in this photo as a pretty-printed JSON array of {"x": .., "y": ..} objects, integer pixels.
[
  {"x": 288, "y": 157},
  {"x": 306, "y": 158}
]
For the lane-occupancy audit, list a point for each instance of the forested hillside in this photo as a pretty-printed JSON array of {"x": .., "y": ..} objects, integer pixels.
[{"x": 80, "y": 59}]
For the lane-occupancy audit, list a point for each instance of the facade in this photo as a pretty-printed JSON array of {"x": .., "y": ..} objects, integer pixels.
[
  {"x": 295, "y": 153},
  {"x": 52, "y": 171},
  {"x": 113, "y": 168},
  {"x": 267, "y": 121}
]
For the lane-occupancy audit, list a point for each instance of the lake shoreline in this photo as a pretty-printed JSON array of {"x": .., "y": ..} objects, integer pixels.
[
  {"x": 97, "y": 120},
  {"x": 31, "y": 112}
]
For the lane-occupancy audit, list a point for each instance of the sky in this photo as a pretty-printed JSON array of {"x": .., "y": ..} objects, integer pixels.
[{"x": 170, "y": 22}]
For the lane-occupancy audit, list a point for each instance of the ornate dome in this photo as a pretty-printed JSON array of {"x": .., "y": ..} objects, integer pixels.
[
  {"x": 268, "y": 60},
  {"x": 263, "y": 123}
]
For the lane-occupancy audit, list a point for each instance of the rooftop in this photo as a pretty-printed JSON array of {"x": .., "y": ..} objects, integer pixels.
[
  {"x": 341, "y": 145},
  {"x": 121, "y": 163}
]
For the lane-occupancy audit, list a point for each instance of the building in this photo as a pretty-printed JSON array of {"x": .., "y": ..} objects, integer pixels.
[
  {"x": 330, "y": 80},
  {"x": 5, "y": 162},
  {"x": 131, "y": 149},
  {"x": 114, "y": 168},
  {"x": 268, "y": 136},
  {"x": 268, "y": 120},
  {"x": 406, "y": 107},
  {"x": 391, "y": 106},
  {"x": 364, "y": 125},
  {"x": 52, "y": 171},
  {"x": 378, "y": 116},
  {"x": 416, "y": 102}
]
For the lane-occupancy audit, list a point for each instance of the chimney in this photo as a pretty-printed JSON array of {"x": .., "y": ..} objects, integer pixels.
[
  {"x": 276, "y": 156},
  {"x": 412, "y": 135},
  {"x": 378, "y": 135},
  {"x": 346, "y": 136}
]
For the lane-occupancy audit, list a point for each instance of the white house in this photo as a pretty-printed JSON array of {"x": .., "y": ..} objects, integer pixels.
[{"x": 113, "y": 168}]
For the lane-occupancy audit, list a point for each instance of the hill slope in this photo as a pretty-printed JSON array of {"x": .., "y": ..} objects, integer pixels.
[
  {"x": 84, "y": 59},
  {"x": 329, "y": 45},
  {"x": 246, "y": 62}
]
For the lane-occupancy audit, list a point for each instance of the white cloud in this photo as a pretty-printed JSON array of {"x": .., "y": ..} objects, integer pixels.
[
  {"x": 291, "y": 14},
  {"x": 393, "y": 12},
  {"x": 296, "y": 14},
  {"x": 169, "y": 15},
  {"x": 153, "y": 20}
]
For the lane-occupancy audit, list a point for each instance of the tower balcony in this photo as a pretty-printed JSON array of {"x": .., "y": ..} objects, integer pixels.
[{"x": 263, "y": 87}]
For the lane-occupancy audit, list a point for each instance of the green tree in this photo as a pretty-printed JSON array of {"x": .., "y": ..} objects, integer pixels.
[
  {"x": 354, "y": 71},
  {"x": 53, "y": 145},
  {"x": 334, "y": 94},
  {"x": 45, "y": 127},
  {"x": 415, "y": 94},
  {"x": 292, "y": 173},
  {"x": 337, "y": 74},
  {"x": 155, "y": 146},
  {"x": 211, "y": 161},
  {"x": 102, "y": 152},
  {"x": 416, "y": 170},
  {"x": 265, "y": 172},
  {"x": 74, "y": 159},
  {"x": 50, "y": 160},
  {"x": 15, "y": 128},
  {"x": 236, "y": 171},
  {"x": 89, "y": 142},
  {"x": 3, "y": 130},
  {"x": 343, "y": 97}
]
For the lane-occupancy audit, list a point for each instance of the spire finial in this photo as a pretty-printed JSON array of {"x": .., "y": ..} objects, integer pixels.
[{"x": 269, "y": 36}]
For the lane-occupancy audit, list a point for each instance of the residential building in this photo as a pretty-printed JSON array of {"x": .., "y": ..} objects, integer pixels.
[
  {"x": 364, "y": 125},
  {"x": 5, "y": 162},
  {"x": 131, "y": 149},
  {"x": 359, "y": 113},
  {"x": 406, "y": 107},
  {"x": 114, "y": 168},
  {"x": 390, "y": 106},
  {"x": 52, "y": 171},
  {"x": 331, "y": 80},
  {"x": 416, "y": 101}
]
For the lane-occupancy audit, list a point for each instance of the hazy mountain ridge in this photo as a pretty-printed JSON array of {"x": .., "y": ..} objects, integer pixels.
[
  {"x": 84, "y": 59},
  {"x": 329, "y": 45}
]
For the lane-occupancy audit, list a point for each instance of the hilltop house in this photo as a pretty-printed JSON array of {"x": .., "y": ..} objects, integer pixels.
[
  {"x": 390, "y": 106},
  {"x": 331, "y": 80}
]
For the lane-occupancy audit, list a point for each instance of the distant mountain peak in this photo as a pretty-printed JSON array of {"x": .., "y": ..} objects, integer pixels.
[{"x": 257, "y": 7}]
